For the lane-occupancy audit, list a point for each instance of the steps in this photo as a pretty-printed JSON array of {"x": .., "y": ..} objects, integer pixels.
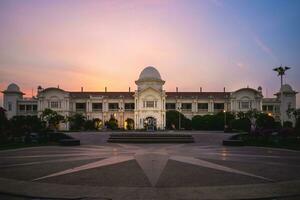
[{"x": 150, "y": 138}]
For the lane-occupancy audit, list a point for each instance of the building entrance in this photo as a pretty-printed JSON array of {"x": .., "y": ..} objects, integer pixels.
[{"x": 150, "y": 124}]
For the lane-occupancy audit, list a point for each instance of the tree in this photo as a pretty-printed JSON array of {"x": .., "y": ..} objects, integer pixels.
[
  {"x": 77, "y": 121},
  {"x": 172, "y": 120},
  {"x": 296, "y": 114},
  {"x": 212, "y": 122},
  {"x": 197, "y": 122},
  {"x": 89, "y": 125},
  {"x": 22, "y": 126},
  {"x": 112, "y": 123},
  {"x": 242, "y": 124},
  {"x": 4, "y": 123},
  {"x": 52, "y": 118},
  {"x": 265, "y": 121}
]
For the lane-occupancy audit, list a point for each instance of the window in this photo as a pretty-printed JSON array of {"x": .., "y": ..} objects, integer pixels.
[
  {"x": 97, "y": 106},
  {"x": 9, "y": 106},
  {"x": 170, "y": 106},
  {"x": 245, "y": 104},
  {"x": 264, "y": 108},
  {"x": 34, "y": 107},
  {"x": 149, "y": 104},
  {"x": 28, "y": 107},
  {"x": 186, "y": 106},
  {"x": 203, "y": 106},
  {"x": 219, "y": 106},
  {"x": 270, "y": 107},
  {"x": 277, "y": 109},
  {"x": 80, "y": 106},
  {"x": 129, "y": 106},
  {"x": 22, "y": 107},
  {"x": 113, "y": 106},
  {"x": 54, "y": 104}
]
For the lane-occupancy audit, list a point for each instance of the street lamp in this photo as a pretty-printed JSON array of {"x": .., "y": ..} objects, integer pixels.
[
  {"x": 179, "y": 118},
  {"x": 121, "y": 116},
  {"x": 225, "y": 126},
  {"x": 281, "y": 72}
]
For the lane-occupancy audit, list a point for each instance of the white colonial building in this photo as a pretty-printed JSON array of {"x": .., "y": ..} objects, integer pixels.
[{"x": 147, "y": 105}]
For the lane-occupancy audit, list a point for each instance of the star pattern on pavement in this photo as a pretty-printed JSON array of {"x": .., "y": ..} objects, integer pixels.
[{"x": 152, "y": 159}]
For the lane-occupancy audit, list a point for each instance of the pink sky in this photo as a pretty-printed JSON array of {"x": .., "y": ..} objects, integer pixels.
[{"x": 93, "y": 44}]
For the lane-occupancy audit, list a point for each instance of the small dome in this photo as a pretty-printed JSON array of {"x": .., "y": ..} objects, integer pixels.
[
  {"x": 149, "y": 73},
  {"x": 286, "y": 88},
  {"x": 13, "y": 88}
]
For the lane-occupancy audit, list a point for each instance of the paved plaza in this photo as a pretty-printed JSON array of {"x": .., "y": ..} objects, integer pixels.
[{"x": 99, "y": 170}]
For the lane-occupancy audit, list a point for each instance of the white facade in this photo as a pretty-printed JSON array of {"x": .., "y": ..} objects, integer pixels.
[{"x": 148, "y": 104}]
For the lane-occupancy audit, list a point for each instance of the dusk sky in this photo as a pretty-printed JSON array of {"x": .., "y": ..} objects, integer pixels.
[{"x": 193, "y": 43}]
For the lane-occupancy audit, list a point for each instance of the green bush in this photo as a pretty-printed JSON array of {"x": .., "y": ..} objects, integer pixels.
[
  {"x": 211, "y": 122},
  {"x": 112, "y": 123},
  {"x": 172, "y": 120},
  {"x": 77, "y": 122},
  {"x": 4, "y": 125},
  {"x": 287, "y": 124},
  {"x": 197, "y": 122},
  {"x": 89, "y": 125},
  {"x": 21, "y": 125},
  {"x": 242, "y": 124},
  {"x": 265, "y": 121}
]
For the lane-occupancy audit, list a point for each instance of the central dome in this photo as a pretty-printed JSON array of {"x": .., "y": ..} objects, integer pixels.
[
  {"x": 149, "y": 73},
  {"x": 13, "y": 88},
  {"x": 286, "y": 88}
]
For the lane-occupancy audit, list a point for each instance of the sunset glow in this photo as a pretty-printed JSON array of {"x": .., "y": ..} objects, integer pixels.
[{"x": 93, "y": 44}]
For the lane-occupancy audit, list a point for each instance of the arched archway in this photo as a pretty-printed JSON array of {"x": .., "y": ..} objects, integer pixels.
[
  {"x": 129, "y": 124},
  {"x": 150, "y": 123}
]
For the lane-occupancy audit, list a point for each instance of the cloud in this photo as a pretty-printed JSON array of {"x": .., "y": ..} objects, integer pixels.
[
  {"x": 264, "y": 47},
  {"x": 242, "y": 66}
]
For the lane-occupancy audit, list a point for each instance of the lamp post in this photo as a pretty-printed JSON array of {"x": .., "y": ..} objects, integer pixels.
[
  {"x": 179, "y": 118},
  {"x": 121, "y": 116},
  {"x": 225, "y": 126},
  {"x": 281, "y": 72}
]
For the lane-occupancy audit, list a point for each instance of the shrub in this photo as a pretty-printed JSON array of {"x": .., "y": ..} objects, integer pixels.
[
  {"x": 112, "y": 123},
  {"x": 265, "y": 121},
  {"x": 211, "y": 122},
  {"x": 89, "y": 125},
  {"x": 52, "y": 118},
  {"x": 172, "y": 119},
  {"x": 197, "y": 122},
  {"x": 4, "y": 124},
  {"x": 287, "y": 124},
  {"x": 22, "y": 125},
  {"x": 243, "y": 124},
  {"x": 77, "y": 121},
  {"x": 286, "y": 131}
]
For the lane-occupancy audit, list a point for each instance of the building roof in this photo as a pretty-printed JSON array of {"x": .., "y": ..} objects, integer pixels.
[
  {"x": 112, "y": 95},
  {"x": 130, "y": 95},
  {"x": 199, "y": 95},
  {"x": 270, "y": 100}
]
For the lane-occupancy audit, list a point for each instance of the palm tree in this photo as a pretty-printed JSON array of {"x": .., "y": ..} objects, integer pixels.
[{"x": 281, "y": 71}]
